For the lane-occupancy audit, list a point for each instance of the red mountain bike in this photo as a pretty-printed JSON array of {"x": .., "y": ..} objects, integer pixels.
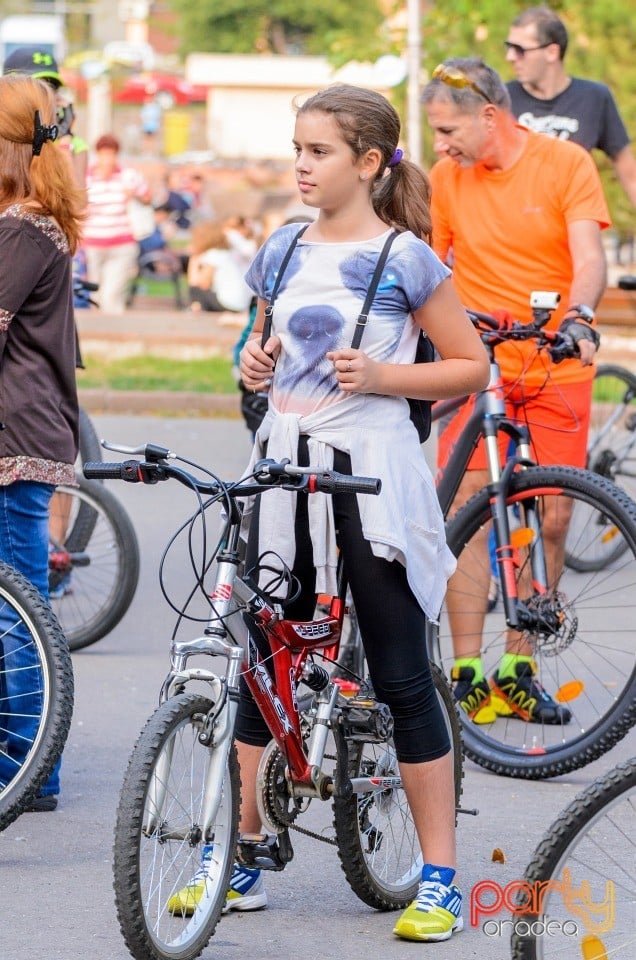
[{"x": 181, "y": 789}]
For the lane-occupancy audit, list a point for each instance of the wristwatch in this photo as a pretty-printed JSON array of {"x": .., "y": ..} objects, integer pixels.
[{"x": 584, "y": 312}]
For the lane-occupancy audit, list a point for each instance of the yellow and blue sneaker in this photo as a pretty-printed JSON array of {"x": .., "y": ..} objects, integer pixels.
[
  {"x": 246, "y": 891},
  {"x": 435, "y": 914}
]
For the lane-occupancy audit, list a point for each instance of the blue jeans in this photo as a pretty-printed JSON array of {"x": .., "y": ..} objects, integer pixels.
[{"x": 24, "y": 545}]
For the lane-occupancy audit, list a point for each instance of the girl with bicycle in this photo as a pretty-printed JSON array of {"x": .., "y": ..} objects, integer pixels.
[
  {"x": 345, "y": 406},
  {"x": 40, "y": 218}
]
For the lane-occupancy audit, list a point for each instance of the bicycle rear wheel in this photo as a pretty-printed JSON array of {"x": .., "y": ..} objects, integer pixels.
[
  {"x": 584, "y": 651},
  {"x": 159, "y": 838},
  {"x": 89, "y": 446},
  {"x": 592, "y": 842},
  {"x": 377, "y": 842},
  {"x": 93, "y": 561},
  {"x": 35, "y": 716},
  {"x": 612, "y": 454}
]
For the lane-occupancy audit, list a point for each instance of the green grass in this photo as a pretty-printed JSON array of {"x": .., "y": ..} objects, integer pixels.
[{"x": 208, "y": 375}]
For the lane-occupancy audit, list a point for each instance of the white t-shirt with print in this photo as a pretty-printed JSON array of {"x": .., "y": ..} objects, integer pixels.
[{"x": 319, "y": 301}]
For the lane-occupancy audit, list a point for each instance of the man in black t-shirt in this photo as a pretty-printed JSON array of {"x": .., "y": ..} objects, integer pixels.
[{"x": 545, "y": 99}]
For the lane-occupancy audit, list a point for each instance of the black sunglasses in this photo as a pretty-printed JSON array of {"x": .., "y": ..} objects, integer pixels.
[{"x": 521, "y": 51}]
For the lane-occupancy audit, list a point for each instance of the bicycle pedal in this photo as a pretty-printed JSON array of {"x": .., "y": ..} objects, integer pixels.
[
  {"x": 365, "y": 720},
  {"x": 259, "y": 851}
]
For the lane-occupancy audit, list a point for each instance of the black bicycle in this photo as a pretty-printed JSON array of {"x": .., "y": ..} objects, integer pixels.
[
  {"x": 578, "y": 623},
  {"x": 93, "y": 561},
  {"x": 611, "y": 447}
]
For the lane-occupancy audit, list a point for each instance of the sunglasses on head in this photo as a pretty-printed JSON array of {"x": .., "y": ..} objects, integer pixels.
[
  {"x": 520, "y": 51},
  {"x": 453, "y": 77}
]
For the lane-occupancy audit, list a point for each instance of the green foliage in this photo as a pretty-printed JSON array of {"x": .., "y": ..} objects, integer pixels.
[{"x": 280, "y": 26}]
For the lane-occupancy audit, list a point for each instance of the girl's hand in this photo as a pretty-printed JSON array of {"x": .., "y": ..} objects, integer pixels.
[
  {"x": 354, "y": 371},
  {"x": 257, "y": 365}
]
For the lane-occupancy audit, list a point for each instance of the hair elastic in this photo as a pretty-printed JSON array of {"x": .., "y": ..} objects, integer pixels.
[
  {"x": 41, "y": 133},
  {"x": 395, "y": 159}
]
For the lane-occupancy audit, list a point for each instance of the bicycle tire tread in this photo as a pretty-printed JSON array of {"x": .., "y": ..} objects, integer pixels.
[
  {"x": 565, "y": 828},
  {"x": 346, "y": 821},
  {"x": 130, "y": 911},
  {"x": 59, "y": 670},
  {"x": 108, "y": 616},
  {"x": 616, "y": 724}
]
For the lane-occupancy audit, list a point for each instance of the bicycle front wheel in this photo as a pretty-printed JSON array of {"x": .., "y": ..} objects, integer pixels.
[
  {"x": 377, "y": 842},
  {"x": 583, "y": 645},
  {"x": 93, "y": 561},
  {"x": 167, "y": 909},
  {"x": 36, "y": 693},
  {"x": 612, "y": 454},
  {"x": 590, "y": 846}
]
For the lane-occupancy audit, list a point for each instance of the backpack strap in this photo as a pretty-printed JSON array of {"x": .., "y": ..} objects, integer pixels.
[
  {"x": 361, "y": 322},
  {"x": 269, "y": 309}
]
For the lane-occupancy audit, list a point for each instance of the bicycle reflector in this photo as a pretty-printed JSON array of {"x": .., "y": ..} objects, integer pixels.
[
  {"x": 569, "y": 691},
  {"x": 521, "y": 537}
]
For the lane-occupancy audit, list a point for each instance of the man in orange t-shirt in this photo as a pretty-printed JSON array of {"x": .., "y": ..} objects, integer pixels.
[{"x": 520, "y": 212}]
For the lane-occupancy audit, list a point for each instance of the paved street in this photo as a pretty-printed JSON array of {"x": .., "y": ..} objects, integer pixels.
[{"x": 55, "y": 869}]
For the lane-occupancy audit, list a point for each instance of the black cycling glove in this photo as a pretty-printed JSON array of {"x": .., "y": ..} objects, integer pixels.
[{"x": 576, "y": 331}]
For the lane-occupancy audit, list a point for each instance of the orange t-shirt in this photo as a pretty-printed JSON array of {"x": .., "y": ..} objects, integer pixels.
[{"x": 508, "y": 231}]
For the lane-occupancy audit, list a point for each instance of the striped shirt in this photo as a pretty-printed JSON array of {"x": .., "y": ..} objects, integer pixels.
[{"x": 108, "y": 223}]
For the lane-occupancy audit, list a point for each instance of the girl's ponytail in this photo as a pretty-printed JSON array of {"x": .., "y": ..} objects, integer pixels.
[{"x": 402, "y": 197}]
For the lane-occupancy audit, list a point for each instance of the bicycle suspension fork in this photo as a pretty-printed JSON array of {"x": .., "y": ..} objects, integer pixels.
[
  {"x": 507, "y": 543},
  {"x": 217, "y": 728}
]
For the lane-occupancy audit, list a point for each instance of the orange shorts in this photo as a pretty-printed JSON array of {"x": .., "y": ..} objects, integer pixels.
[{"x": 557, "y": 416}]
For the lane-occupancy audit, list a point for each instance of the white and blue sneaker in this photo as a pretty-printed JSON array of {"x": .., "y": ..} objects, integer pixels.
[
  {"x": 435, "y": 914},
  {"x": 246, "y": 891}
]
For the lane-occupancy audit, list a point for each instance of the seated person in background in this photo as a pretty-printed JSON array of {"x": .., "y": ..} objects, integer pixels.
[{"x": 215, "y": 280}]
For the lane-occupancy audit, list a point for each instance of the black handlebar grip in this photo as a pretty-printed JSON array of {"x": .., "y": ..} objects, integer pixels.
[
  {"x": 341, "y": 483},
  {"x": 124, "y": 470}
]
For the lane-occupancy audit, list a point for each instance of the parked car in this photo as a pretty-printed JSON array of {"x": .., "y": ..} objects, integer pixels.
[{"x": 168, "y": 89}]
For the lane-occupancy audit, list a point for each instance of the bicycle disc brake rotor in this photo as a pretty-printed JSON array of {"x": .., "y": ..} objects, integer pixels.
[
  {"x": 277, "y": 808},
  {"x": 556, "y": 625}
]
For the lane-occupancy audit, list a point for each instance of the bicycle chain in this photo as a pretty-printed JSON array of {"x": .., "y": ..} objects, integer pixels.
[{"x": 312, "y": 833}]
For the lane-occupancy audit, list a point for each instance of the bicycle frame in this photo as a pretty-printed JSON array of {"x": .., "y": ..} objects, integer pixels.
[
  {"x": 487, "y": 419},
  {"x": 291, "y": 642}
]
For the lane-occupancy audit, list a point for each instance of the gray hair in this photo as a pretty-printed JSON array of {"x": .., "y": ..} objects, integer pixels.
[{"x": 467, "y": 99}]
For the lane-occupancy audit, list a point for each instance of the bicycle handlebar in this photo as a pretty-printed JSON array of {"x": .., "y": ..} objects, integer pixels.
[
  {"x": 267, "y": 474},
  {"x": 494, "y": 330}
]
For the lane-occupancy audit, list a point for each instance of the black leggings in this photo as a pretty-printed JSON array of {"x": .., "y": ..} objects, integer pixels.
[{"x": 392, "y": 625}]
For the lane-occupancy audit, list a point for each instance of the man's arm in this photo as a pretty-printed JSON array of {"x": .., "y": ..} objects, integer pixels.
[
  {"x": 588, "y": 262},
  {"x": 625, "y": 169},
  {"x": 589, "y": 273}
]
